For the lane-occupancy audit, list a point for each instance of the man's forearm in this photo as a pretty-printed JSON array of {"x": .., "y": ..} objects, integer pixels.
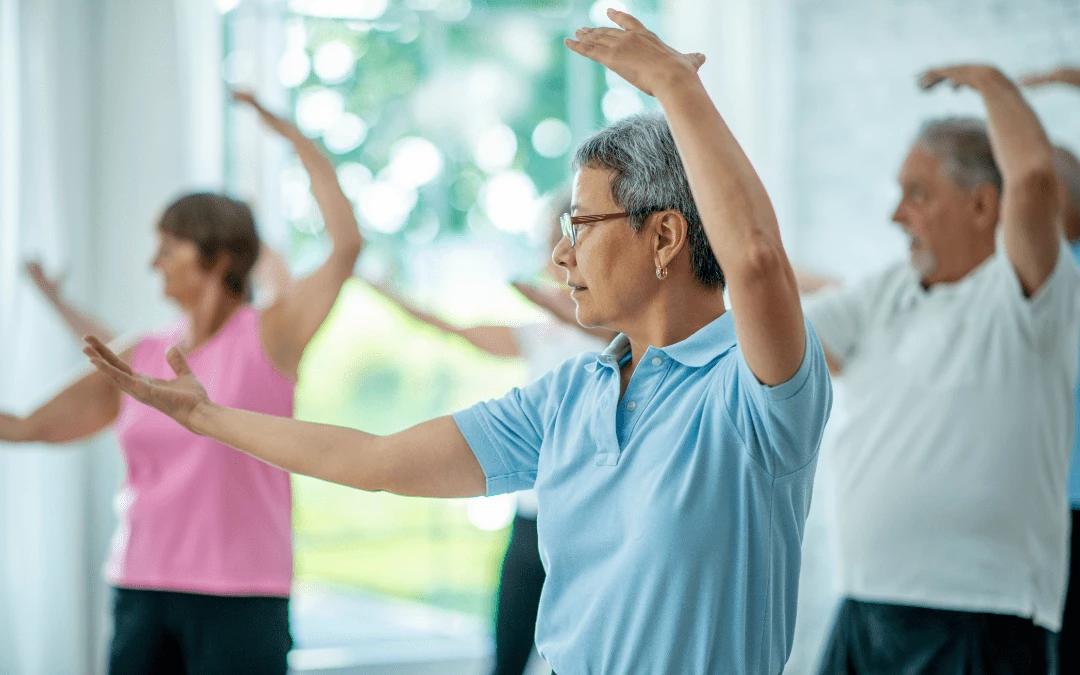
[{"x": 1021, "y": 146}]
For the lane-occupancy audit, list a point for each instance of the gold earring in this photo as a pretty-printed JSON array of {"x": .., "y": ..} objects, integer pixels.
[{"x": 661, "y": 273}]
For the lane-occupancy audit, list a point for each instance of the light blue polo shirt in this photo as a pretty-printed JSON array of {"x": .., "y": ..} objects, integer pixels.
[
  {"x": 1074, "y": 469},
  {"x": 671, "y": 521}
]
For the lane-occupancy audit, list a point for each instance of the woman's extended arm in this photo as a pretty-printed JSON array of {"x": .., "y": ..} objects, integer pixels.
[
  {"x": 431, "y": 459},
  {"x": 493, "y": 339}
]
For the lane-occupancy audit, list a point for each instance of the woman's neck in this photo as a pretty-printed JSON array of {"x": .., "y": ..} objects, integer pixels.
[
  {"x": 673, "y": 317},
  {"x": 209, "y": 315}
]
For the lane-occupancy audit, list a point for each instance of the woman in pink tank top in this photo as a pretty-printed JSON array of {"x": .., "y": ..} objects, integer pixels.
[{"x": 201, "y": 561}]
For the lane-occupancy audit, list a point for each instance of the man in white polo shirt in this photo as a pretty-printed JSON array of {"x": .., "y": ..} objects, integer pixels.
[{"x": 953, "y": 521}]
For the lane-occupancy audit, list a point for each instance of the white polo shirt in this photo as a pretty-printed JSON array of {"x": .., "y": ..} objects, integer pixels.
[{"x": 952, "y": 462}]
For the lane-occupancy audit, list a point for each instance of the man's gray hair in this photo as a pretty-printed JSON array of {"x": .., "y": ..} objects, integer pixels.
[
  {"x": 648, "y": 175},
  {"x": 1068, "y": 167},
  {"x": 964, "y": 148}
]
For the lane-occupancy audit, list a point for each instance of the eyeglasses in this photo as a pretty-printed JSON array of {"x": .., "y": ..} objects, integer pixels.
[{"x": 569, "y": 223}]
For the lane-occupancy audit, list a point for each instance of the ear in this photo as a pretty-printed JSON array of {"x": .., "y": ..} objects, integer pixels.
[
  {"x": 987, "y": 205},
  {"x": 670, "y": 233}
]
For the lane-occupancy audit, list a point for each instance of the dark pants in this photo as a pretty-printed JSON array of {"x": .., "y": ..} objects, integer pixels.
[
  {"x": 169, "y": 633},
  {"x": 1069, "y": 645},
  {"x": 881, "y": 639},
  {"x": 519, "y": 597}
]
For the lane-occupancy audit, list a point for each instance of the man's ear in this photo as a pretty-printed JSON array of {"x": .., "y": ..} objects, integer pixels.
[
  {"x": 670, "y": 233},
  {"x": 987, "y": 205}
]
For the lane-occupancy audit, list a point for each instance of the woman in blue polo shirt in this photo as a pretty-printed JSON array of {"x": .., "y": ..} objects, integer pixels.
[{"x": 673, "y": 470}]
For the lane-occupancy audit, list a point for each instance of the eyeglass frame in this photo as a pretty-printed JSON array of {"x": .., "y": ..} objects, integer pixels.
[{"x": 567, "y": 221}]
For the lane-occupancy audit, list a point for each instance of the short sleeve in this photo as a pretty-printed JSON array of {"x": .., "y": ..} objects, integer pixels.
[
  {"x": 840, "y": 318},
  {"x": 505, "y": 434},
  {"x": 782, "y": 425},
  {"x": 1055, "y": 307}
]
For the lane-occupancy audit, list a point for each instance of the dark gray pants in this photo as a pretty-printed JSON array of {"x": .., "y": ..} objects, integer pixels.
[
  {"x": 170, "y": 633},
  {"x": 871, "y": 638}
]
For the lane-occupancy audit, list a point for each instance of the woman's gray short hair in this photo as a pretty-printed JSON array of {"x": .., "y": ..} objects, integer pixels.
[
  {"x": 964, "y": 148},
  {"x": 648, "y": 175}
]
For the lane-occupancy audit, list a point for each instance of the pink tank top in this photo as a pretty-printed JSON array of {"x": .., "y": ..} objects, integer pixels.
[{"x": 196, "y": 515}]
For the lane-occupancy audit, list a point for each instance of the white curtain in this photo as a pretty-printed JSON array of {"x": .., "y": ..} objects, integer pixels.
[{"x": 108, "y": 109}]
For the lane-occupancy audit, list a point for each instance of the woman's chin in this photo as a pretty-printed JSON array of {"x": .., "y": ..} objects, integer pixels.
[{"x": 586, "y": 318}]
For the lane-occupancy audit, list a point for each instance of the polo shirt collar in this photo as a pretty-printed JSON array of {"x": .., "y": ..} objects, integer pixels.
[
  {"x": 700, "y": 349},
  {"x": 913, "y": 290}
]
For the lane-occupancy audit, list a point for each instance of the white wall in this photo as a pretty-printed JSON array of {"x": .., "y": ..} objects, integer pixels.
[{"x": 857, "y": 108}]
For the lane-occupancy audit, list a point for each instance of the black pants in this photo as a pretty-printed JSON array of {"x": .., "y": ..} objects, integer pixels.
[
  {"x": 881, "y": 639},
  {"x": 1069, "y": 645},
  {"x": 169, "y": 633},
  {"x": 519, "y": 597}
]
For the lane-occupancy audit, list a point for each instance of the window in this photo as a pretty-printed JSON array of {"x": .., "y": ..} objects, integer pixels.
[{"x": 448, "y": 121}]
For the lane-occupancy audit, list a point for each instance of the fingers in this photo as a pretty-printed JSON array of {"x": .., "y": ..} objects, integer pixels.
[
  {"x": 598, "y": 35},
  {"x": 123, "y": 381},
  {"x": 625, "y": 21},
  {"x": 585, "y": 49},
  {"x": 932, "y": 78},
  {"x": 697, "y": 59},
  {"x": 102, "y": 352},
  {"x": 177, "y": 362}
]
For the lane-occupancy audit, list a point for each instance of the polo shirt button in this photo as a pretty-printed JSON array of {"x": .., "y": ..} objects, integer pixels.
[
  {"x": 657, "y": 360},
  {"x": 631, "y": 406}
]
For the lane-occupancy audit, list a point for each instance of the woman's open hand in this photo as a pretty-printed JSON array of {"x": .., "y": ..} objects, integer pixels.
[
  {"x": 179, "y": 398},
  {"x": 634, "y": 53}
]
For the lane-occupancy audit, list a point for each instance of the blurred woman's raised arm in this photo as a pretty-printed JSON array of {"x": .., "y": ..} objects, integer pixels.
[{"x": 288, "y": 326}]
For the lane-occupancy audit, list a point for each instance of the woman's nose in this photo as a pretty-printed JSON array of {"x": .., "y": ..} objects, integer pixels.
[{"x": 562, "y": 253}]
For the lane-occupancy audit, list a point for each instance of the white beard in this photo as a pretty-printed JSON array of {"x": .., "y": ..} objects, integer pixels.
[{"x": 923, "y": 262}]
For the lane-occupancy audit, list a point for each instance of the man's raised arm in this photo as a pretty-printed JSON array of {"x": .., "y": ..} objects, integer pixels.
[{"x": 1029, "y": 201}]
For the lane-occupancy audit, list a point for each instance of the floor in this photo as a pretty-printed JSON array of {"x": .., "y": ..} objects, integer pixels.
[{"x": 348, "y": 633}]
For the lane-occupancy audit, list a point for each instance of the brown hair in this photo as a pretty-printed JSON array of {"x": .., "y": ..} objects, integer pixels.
[{"x": 217, "y": 225}]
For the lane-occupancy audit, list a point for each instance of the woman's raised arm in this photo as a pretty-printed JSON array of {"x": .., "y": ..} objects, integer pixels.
[{"x": 288, "y": 326}]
